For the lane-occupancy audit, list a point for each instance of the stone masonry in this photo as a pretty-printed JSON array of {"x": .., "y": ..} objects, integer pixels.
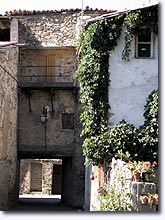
[
  {"x": 57, "y": 29},
  {"x": 8, "y": 126}
]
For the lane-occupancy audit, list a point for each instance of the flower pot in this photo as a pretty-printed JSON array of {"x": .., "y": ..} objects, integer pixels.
[
  {"x": 143, "y": 199},
  {"x": 156, "y": 201},
  {"x": 151, "y": 201},
  {"x": 136, "y": 177}
]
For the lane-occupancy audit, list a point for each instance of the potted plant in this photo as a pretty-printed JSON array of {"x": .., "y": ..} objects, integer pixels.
[
  {"x": 143, "y": 199},
  {"x": 152, "y": 198},
  {"x": 138, "y": 168},
  {"x": 156, "y": 199},
  {"x": 149, "y": 171}
]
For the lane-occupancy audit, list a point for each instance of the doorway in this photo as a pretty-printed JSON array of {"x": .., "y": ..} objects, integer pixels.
[
  {"x": 57, "y": 179},
  {"x": 48, "y": 179}
]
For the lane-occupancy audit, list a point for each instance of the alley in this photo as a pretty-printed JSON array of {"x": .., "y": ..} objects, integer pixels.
[{"x": 41, "y": 203}]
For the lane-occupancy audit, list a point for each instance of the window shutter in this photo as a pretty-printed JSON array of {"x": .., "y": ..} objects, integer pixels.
[{"x": 67, "y": 120}]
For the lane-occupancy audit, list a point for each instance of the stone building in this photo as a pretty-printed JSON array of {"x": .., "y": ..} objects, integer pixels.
[
  {"x": 8, "y": 113},
  {"x": 40, "y": 106},
  {"x": 8, "y": 125}
]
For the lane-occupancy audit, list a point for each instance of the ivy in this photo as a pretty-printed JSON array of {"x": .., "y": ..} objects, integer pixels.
[
  {"x": 141, "y": 143},
  {"x": 151, "y": 108},
  {"x": 147, "y": 17},
  {"x": 130, "y": 23},
  {"x": 123, "y": 137},
  {"x": 148, "y": 133},
  {"x": 94, "y": 45}
]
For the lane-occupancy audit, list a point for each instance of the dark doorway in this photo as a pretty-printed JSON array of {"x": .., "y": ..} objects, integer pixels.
[{"x": 57, "y": 179}]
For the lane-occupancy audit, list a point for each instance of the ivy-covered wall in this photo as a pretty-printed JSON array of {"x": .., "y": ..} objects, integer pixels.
[{"x": 98, "y": 58}]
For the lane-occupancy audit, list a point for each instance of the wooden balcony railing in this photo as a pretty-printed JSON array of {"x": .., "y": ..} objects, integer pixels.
[{"x": 46, "y": 76}]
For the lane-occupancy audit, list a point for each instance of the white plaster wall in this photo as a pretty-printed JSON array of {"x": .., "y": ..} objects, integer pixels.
[
  {"x": 94, "y": 202},
  {"x": 131, "y": 83}
]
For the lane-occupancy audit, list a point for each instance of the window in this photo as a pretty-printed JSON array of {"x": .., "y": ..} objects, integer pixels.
[
  {"x": 144, "y": 43},
  {"x": 67, "y": 120},
  {"x": 4, "y": 30}
]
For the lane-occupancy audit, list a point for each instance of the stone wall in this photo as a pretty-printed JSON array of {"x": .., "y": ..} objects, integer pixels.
[
  {"x": 8, "y": 126},
  {"x": 53, "y": 29},
  {"x": 51, "y": 137},
  {"x": 50, "y": 66}
]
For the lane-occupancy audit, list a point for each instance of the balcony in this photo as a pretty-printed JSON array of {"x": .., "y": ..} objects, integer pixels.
[{"x": 40, "y": 77}]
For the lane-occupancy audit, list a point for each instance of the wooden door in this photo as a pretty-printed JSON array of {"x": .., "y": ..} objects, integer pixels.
[{"x": 36, "y": 177}]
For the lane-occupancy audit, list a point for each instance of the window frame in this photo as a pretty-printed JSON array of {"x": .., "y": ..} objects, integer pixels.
[
  {"x": 151, "y": 43},
  {"x": 64, "y": 126},
  {"x": 6, "y": 24}
]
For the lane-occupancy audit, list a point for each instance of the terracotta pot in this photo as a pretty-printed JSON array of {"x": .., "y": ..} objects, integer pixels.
[
  {"x": 151, "y": 201},
  {"x": 156, "y": 200},
  {"x": 136, "y": 177},
  {"x": 144, "y": 199}
]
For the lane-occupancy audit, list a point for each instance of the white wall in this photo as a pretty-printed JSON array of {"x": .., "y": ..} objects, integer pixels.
[{"x": 131, "y": 83}]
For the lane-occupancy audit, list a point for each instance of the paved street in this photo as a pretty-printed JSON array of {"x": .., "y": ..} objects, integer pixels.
[{"x": 42, "y": 203}]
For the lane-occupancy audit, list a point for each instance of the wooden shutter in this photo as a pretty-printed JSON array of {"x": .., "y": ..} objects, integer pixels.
[
  {"x": 36, "y": 177},
  {"x": 67, "y": 120},
  {"x": 48, "y": 68}
]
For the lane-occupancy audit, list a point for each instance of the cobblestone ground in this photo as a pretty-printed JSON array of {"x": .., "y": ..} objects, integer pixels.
[{"x": 42, "y": 203}]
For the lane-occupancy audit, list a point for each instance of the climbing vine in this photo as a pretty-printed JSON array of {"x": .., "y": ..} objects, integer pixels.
[
  {"x": 148, "y": 133},
  {"x": 93, "y": 75},
  {"x": 147, "y": 17},
  {"x": 141, "y": 143},
  {"x": 130, "y": 23},
  {"x": 94, "y": 46}
]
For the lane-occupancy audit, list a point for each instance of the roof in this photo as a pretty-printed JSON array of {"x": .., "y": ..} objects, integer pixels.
[
  {"x": 62, "y": 11},
  {"x": 108, "y": 15}
]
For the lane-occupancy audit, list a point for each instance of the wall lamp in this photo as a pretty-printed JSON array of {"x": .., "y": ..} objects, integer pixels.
[{"x": 44, "y": 116}]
